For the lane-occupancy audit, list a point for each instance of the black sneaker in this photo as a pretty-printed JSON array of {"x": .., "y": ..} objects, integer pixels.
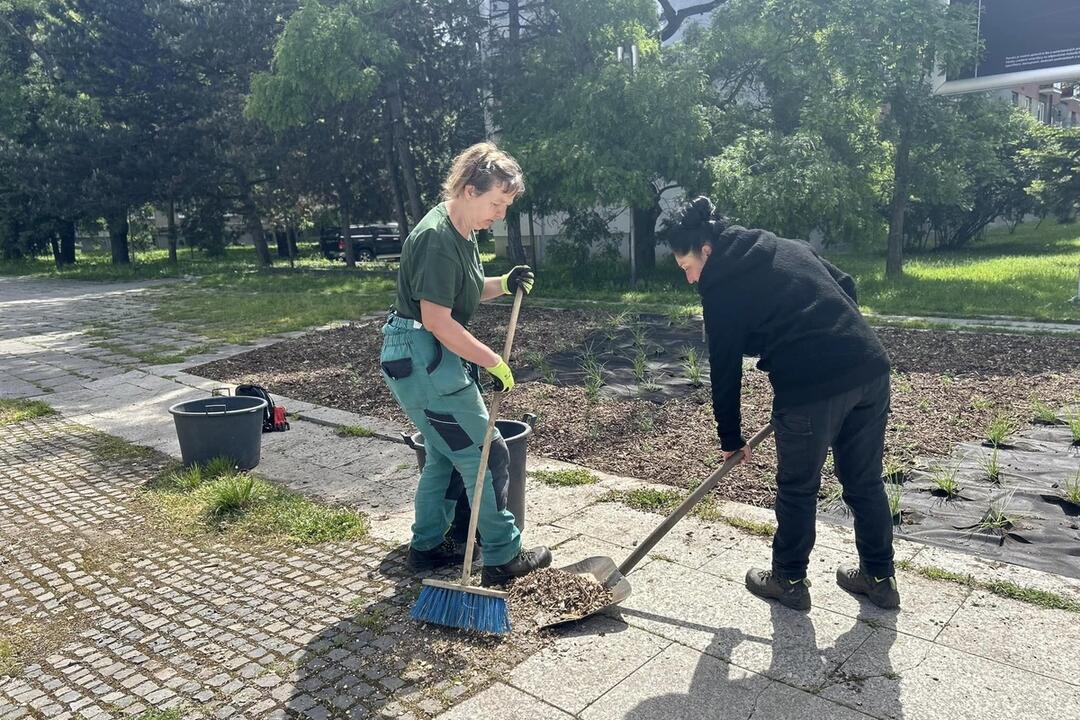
[
  {"x": 881, "y": 591},
  {"x": 448, "y": 553},
  {"x": 794, "y": 594},
  {"x": 525, "y": 562}
]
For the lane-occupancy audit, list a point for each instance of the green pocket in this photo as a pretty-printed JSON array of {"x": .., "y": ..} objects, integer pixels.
[{"x": 447, "y": 372}]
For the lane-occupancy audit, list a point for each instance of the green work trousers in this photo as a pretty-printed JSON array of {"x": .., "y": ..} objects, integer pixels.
[{"x": 443, "y": 400}]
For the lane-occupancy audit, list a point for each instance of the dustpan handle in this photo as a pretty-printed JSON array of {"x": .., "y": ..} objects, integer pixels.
[{"x": 688, "y": 504}]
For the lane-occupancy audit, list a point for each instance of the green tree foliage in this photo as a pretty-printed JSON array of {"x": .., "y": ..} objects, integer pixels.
[
  {"x": 43, "y": 133},
  {"x": 892, "y": 49},
  {"x": 592, "y": 131},
  {"x": 794, "y": 149},
  {"x": 380, "y": 94},
  {"x": 802, "y": 116},
  {"x": 1055, "y": 163},
  {"x": 970, "y": 174}
]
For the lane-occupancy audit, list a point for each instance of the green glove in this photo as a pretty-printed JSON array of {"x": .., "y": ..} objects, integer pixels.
[
  {"x": 504, "y": 379},
  {"x": 520, "y": 276}
]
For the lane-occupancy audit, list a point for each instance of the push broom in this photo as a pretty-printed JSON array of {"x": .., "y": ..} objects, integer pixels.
[{"x": 461, "y": 604}]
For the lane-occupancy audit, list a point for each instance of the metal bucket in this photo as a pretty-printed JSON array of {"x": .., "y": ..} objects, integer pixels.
[{"x": 220, "y": 427}]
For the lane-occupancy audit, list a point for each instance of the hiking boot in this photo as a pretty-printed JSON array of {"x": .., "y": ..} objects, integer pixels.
[
  {"x": 794, "y": 594},
  {"x": 448, "y": 553},
  {"x": 525, "y": 562},
  {"x": 881, "y": 591}
]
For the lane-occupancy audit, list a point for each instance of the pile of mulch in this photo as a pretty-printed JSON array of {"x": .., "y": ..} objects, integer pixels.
[
  {"x": 549, "y": 594},
  {"x": 947, "y": 388}
]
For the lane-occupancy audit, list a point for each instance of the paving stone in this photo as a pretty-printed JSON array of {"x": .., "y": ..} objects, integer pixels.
[
  {"x": 898, "y": 676},
  {"x": 493, "y": 703},
  {"x": 682, "y": 605},
  {"x": 319, "y": 712},
  {"x": 927, "y": 604},
  {"x": 1008, "y": 631},
  {"x": 691, "y": 544},
  {"x": 680, "y": 683},
  {"x": 577, "y": 669},
  {"x": 161, "y": 624}
]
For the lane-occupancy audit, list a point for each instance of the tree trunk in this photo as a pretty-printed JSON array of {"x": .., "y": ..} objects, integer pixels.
[
  {"x": 346, "y": 227},
  {"x": 117, "y": 222},
  {"x": 513, "y": 24},
  {"x": 293, "y": 250},
  {"x": 281, "y": 238},
  {"x": 54, "y": 243},
  {"x": 10, "y": 240},
  {"x": 514, "y": 247},
  {"x": 253, "y": 225},
  {"x": 673, "y": 19},
  {"x": 401, "y": 145},
  {"x": 644, "y": 220},
  {"x": 386, "y": 148},
  {"x": 67, "y": 242},
  {"x": 894, "y": 263},
  {"x": 532, "y": 242},
  {"x": 172, "y": 233}
]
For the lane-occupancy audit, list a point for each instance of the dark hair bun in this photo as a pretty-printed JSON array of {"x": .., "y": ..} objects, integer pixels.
[{"x": 698, "y": 212}]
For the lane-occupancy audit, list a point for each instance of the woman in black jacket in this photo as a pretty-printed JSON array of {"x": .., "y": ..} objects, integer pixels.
[{"x": 777, "y": 300}]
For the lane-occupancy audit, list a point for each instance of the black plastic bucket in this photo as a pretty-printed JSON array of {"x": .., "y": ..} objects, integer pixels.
[
  {"x": 516, "y": 434},
  {"x": 221, "y": 426}
]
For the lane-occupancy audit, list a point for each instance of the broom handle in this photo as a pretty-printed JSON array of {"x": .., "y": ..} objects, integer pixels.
[
  {"x": 695, "y": 497},
  {"x": 493, "y": 413}
]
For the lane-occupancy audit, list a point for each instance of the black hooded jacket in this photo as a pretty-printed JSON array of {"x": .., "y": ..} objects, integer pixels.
[{"x": 778, "y": 300}]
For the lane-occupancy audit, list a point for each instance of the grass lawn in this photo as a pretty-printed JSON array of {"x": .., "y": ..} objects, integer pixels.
[
  {"x": 152, "y": 264},
  {"x": 228, "y": 299},
  {"x": 242, "y": 307},
  {"x": 1029, "y": 274}
]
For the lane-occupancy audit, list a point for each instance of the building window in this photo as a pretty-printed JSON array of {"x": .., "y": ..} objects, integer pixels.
[
  {"x": 1027, "y": 103},
  {"x": 1072, "y": 119},
  {"x": 1016, "y": 99}
]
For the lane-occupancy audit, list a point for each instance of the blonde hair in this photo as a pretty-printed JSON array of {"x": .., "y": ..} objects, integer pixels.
[{"x": 481, "y": 166}]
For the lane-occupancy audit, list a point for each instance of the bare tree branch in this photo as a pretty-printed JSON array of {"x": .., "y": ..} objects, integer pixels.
[{"x": 673, "y": 19}]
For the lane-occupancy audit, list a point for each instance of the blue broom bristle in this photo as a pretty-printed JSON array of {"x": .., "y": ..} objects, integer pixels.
[{"x": 462, "y": 609}]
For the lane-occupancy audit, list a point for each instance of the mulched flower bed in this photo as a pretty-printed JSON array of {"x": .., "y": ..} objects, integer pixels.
[{"x": 947, "y": 388}]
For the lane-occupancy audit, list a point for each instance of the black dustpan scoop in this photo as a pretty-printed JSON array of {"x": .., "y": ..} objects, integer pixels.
[{"x": 605, "y": 572}]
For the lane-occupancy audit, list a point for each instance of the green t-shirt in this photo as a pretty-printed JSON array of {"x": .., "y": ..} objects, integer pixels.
[{"x": 440, "y": 266}]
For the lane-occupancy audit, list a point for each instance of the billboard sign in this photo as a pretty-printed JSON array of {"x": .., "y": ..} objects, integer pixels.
[{"x": 1024, "y": 41}]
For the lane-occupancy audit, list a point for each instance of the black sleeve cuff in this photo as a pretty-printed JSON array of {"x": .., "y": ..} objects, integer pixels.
[{"x": 732, "y": 442}]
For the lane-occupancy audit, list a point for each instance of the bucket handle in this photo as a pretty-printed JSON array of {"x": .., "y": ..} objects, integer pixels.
[
  {"x": 223, "y": 406},
  {"x": 529, "y": 419},
  {"x": 219, "y": 391}
]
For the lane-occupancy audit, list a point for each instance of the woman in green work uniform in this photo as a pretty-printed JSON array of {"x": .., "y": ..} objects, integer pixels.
[{"x": 425, "y": 362}]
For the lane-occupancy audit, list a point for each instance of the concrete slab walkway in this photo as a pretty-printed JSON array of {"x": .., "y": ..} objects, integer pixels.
[{"x": 690, "y": 642}]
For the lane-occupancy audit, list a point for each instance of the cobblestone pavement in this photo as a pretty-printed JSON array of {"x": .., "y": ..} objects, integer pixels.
[{"x": 109, "y": 614}]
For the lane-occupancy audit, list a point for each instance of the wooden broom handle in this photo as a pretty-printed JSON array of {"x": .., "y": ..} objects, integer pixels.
[{"x": 493, "y": 413}]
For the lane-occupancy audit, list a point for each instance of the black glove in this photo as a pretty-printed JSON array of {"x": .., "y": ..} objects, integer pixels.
[{"x": 520, "y": 276}]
